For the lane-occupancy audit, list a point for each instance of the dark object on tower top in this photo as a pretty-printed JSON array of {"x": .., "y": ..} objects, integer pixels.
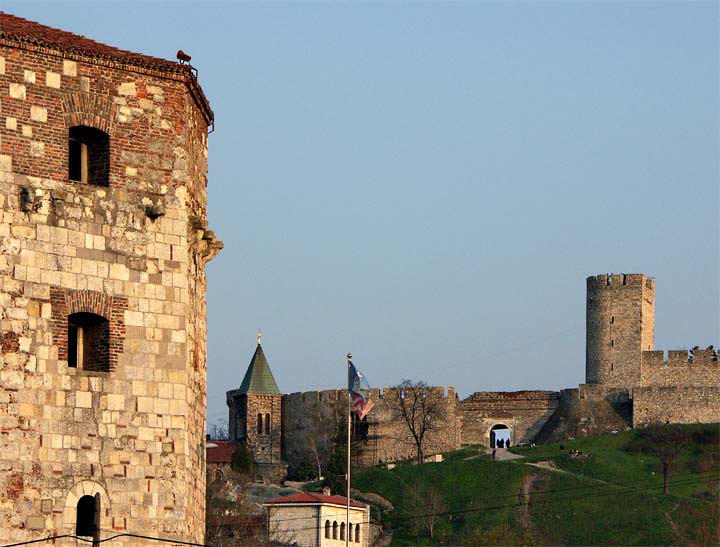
[{"x": 183, "y": 57}]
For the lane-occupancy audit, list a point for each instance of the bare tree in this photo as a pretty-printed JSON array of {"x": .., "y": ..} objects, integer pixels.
[
  {"x": 323, "y": 433},
  {"x": 428, "y": 507},
  {"x": 665, "y": 442},
  {"x": 420, "y": 409},
  {"x": 218, "y": 431}
]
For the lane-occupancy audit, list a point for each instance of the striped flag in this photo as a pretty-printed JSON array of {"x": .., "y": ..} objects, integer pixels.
[{"x": 358, "y": 385}]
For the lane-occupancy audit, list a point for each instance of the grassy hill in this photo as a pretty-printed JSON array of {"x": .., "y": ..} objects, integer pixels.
[{"x": 610, "y": 494}]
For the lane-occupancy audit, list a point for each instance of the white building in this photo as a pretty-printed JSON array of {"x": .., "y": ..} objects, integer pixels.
[{"x": 317, "y": 520}]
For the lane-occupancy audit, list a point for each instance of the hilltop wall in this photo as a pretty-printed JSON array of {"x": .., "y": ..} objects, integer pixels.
[
  {"x": 523, "y": 412},
  {"x": 312, "y": 420},
  {"x": 681, "y": 368},
  {"x": 685, "y": 405},
  {"x": 390, "y": 439}
]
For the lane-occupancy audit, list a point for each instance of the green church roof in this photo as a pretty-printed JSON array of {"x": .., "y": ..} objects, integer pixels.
[{"x": 259, "y": 378}]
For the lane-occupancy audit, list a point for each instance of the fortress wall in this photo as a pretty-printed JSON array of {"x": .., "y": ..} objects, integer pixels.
[
  {"x": 311, "y": 421},
  {"x": 524, "y": 412},
  {"x": 316, "y": 416},
  {"x": 588, "y": 410},
  {"x": 390, "y": 440},
  {"x": 679, "y": 370},
  {"x": 675, "y": 405}
]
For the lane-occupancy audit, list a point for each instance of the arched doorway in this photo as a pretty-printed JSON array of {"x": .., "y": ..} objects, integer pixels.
[{"x": 499, "y": 436}]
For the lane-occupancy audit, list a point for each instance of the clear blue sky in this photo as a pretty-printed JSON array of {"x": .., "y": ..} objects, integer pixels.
[{"x": 427, "y": 185}]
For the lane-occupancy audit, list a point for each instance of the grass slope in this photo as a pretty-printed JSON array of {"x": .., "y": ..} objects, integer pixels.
[{"x": 610, "y": 496}]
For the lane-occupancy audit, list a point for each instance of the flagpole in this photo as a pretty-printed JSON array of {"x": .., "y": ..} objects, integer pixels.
[{"x": 347, "y": 506}]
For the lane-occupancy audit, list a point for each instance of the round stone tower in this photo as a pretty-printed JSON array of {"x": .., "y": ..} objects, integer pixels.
[{"x": 620, "y": 326}]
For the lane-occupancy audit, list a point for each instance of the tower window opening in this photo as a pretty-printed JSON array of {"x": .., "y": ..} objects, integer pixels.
[
  {"x": 88, "y": 342},
  {"x": 87, "y": 506},
  {"x": 267, "y": 424},
  {"x": 612, "y": 343},
  {"x": 88, "y": 155},
  {"x": 612, "y": 320},
  {"x": 259, "y": 424}
]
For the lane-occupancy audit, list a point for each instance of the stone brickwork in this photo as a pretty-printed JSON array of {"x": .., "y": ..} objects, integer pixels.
[
  {"x": 681, "y": 368},
  {"x": 620, "y": 325},
  {"x": 318, "y": 417},
  {"x": 264, "y": 429},
  {"x": 130, "y": 253},
  {"x": 311, "y": 421},
  {"x": 389, "y": 438},
  {"x": 523, "y": 412},
  {"x": 686, "y": 404},
  {"x": 628, "y": 384}
]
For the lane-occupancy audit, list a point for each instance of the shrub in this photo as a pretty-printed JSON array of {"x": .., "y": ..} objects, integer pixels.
[{"x": 242, "y": 459}]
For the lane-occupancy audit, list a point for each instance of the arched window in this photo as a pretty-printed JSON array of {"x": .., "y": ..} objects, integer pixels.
[
  {"x": 267, "y": 424},
  {"x": 88, "y": 342},
  {"x": 259, "y": 424},
  {"x": 218, "y": 475},
  {"x": 85, "y": 521},
  {"x": 342, "y": 531},
  {"x": 357, "y": 533},
  {"x": 335, "y": 530},
  {"x": 88, "y": 155},
  {"x": 327, "y": 529},
  {"x": 350, "y": 530}
]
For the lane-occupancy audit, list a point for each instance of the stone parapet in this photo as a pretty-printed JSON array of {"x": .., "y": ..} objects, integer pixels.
[{"x": 683, "y": 405}]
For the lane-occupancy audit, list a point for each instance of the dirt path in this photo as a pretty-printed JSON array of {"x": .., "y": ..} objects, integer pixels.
[
  {"x": 502, "y": 454},
  {"x": 527, "y": 485},
  {"x": 550, "y": 466}
]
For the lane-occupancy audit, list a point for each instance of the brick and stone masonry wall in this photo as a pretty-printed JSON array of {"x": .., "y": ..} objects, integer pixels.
[
  {"x": 311, "y": 421},
  {"x": 675, "y": 405},
  {"x": 319, "y": 415},
  {"x": 523, "y": 412},
  {"x": 266, "y": 443},
  {"x": 703, "y": 369},
  {"x": 134, "y": 433},
  {"x": 620, "y": 325},
  {"x": 388, "y": 439}
]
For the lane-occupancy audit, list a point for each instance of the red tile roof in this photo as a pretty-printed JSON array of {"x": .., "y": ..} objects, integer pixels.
[
  {"x": 220, "y": 453},
  {"x": 312, "y": 498},
  {"x": 24, "y": 31}
]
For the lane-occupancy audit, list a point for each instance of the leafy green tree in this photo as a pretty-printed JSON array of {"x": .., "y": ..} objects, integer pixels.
[{"x": 242, "y": 460}]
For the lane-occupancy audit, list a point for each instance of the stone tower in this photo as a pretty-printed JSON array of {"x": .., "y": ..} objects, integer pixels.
[
  {"x": 620, "y": 326},
  {"x": 255, "y": 412},
  {"x": 103, "y": 245}
]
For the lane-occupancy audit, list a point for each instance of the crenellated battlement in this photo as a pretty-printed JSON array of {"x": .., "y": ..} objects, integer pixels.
[
  {"x": 375, "y": 394},
  {"x": 696, "y": 368},
  {"x": 621, "y": 370},
  {"x": 683, "y": 357},
  {"x": 619, "y": 280}
]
